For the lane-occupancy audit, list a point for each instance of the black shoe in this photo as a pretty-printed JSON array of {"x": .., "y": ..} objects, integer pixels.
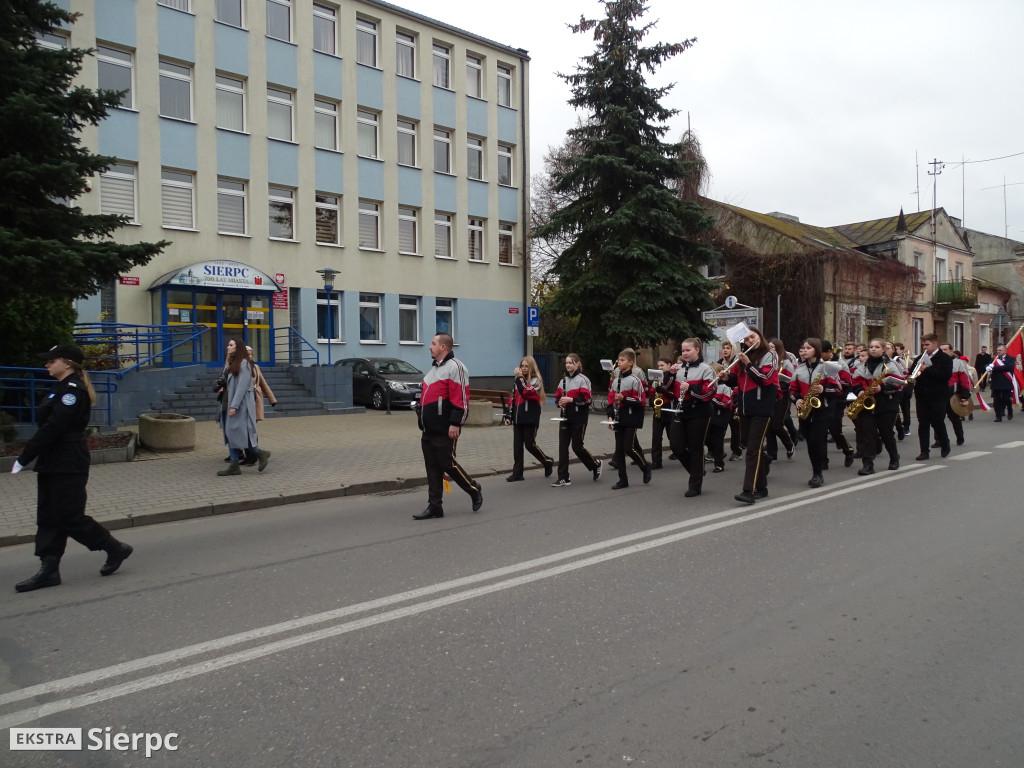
[
  {"x": 597, "y": 470},
  {"x": 117, "y": 553},
  {"x": 936, "y": 444},
  {"x": 47, "y": 576},
  {"x": 894, "y": 464},
  {"x": 514, "y": 478},
  {"x": 824, "y": 466},
  {"x": 959, "y": 441},
  {"x": 923, "y": 456},
  {"x": 548, "y": 469},
  {"x": 478, "y": 499},
  {"x": 899, "y": 434},
  {"x": 647, "y": 474},
  {"x": 945, "y": 452},
  {"x": 672, "y": 457},
  {"x": 858, "y": 455},
  {"x": 790, "y": 451},
  {"x": 746, "y": 497},
  {"x": 867, "y": 469},
  {"x": 249, "y": 461},
  {"x": 613, "y": 463},
  {"x": 816, "y": 481},
  {"x": 228, "y": 459},
  {"x": 620, "y": 485},
  {"x": 659, "y": 465},
  {"x": 429, "y": 513},
  {"x": 718, "y": 468},
  {"x": 762, "y": 494},
  {"x": 998, "y": 420},
  {"x": 690, "y": 493},
  {"x": 848, "y": 461}
]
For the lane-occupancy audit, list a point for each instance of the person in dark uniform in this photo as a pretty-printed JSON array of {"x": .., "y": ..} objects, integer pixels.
[
  {"x": 932, "y": 370},
  {"x": 62, "y": 464}
]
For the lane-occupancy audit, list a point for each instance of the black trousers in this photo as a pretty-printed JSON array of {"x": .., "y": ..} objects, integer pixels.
[
  {"x": 1002, "y": 400},
  {"x": 573, "y": 434},
  {"x": 735, "y": 436},
  {"x": 525, "y": 436},
  {"x": 871, "y": 427},
  {"x": 908, "y": 396},
  {"x": 931, "y": 414},
  {"x": 687, "y": 437},
  {"x": 716, "y": 443},
  {"x": 659, "y": 428},
  {"x": 439, "y": 458},
  {"x": 777, "y": 429},
  {"x": 956, "y": 421},
  {"x": 626, "y": 443},
  {"x": 815, "y": 431},
  {"x": 60, "y": 514},
  {"x": 835, "y": 428},
  {"x": 755, "y": 478}
]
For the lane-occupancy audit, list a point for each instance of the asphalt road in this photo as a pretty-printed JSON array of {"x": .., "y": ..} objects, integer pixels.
[{"x": 874, "y": 622}]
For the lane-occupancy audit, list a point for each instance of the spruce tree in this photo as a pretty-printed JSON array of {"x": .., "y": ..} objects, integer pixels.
[
  {"x": 51, "y": 252},
  {"x": 629, "y": 273}
]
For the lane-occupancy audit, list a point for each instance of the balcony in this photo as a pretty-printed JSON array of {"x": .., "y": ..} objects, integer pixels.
[{"x": 956, "y": 294}]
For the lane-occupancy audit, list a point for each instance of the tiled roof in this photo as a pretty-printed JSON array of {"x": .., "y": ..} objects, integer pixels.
[
  {"x": 806, "y": 234},
  {"x": 880, "y": 230}
]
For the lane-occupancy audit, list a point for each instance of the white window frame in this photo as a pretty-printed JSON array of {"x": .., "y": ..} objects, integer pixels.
[
  {"x": 275, "y": 34},
  {"x": 369, "y": 211},
  {"x": 177, "y": 192},
  {"x": 444, "y": 306},
  {"x": 504, "y": 86},
  {"x": 407, "y": 131},
  {"x": 371, "y": 301},
  {"x": 112, "y": 55},
  {"x": 941, "y": 267},
  {"x": 232, "y": 86},
  {"x": 172, "y": 70},
  {"x": 959, "y": 336},
  {"x": 233, "y": 189},
  {"x": 506, "y": 243},
  {"x": 408, "y": 219},
  {"x": 917, "y": 324},
  {"x": 325, "y": 109},
  {"x": 919, "y": 264},
  {"x": 52, "y": 41},
  {"x": 442, "y": 57},
  {"x": 958, "y": 273},
  {"x": 178, "y": 5},
  {"x": 409, "y": 305},
  {"x": 474, "y": 76},
  {"x": 328, "y": 206},
  {"x": 475, "y": 147},
  {"x": 281, "y": 97},
  {"x": 321, "y": 301},
  {"x": 370, "y": 120},
  {"x": 324, "y": 15},
  {"x": 280, "y": 199},
  {"x": 443, "y": 235},
  {"x": 117, "y": 184},
  {"x": 475, "y": 232},
  {"x": 506, "y": 153},
  {"x": 241, "y": 13},
  {"x": 367, "y": 29},
  {"x": 405, "y": 46},
  {"x": 443, "y": 138}
]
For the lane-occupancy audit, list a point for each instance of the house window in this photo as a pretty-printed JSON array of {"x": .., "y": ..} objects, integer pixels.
[
  {"x": 941, "y": 274},
  {"x": 505, "y": 242},
  {"x": 918, "y": 327},
  {"x": 442, "y": 151},
  {"x": 405, "y": 54},
  {"x": 406, "y": 142},
  {"x": 367, "y": 125},
  {"x": 175, "y": 90},
  {"x": 505, "y": 165},
  {"x": 442, "y": 66},
  {"x": 366, "y": 42},
  {"x": 325, "y": 38},
  {"x": 108, "y": 300},
  {"x": 504, "y": 86},
  {"x": 279, "y": 19},
  {"x": 408, "y": 228},
  {"x": 476, "y": 239},
  {"x": 52, "y": 41},
  {"x": 409, "y": 319},
  {"x": 181, "y": 5},
  {"x": 442, "y": 235},
  {"x": 919, "y": 265},
  {"x": 114, "y": 72},
  {"x": 369, "y": 225},
  {"x": 369, "y": 317},
  {"x": 328, "y": 220},
  {"x": 279, "y": 114},
  {"x": 282, "y": 213},
  {"x": 117, "y": 191},
  {"x": 474, "y": 77},
  {"x": 958, "y": 273},
  {"x": 230, "y": 103},
  {"x": 231, "y": 207},
  {"x": 328, "y": 306},
  {"x": 958, "y": 336},
  {"x": 229, "y": 12},
  {"x": 176, "y": 198},
  {"x": 444, "y": 314},
  {"x": 325, "y": 124},
  {"x": 475, "y": 158}
]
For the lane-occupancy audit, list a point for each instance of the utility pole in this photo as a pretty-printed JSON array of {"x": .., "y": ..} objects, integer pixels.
[{"x": 937, "y": 166}]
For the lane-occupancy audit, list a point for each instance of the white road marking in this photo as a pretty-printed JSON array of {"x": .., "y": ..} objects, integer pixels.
[
  {"x": 968, "y": 455},
  {"x": 1014, "y": 444},
  {"x": 657, "y": 537}
]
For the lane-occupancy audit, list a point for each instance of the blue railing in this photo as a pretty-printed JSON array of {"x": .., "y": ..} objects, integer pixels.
[
  {"x": 291, "y": 348},
  {"x": 122, "y": 348},
  {"x": 22, "y": 391}
]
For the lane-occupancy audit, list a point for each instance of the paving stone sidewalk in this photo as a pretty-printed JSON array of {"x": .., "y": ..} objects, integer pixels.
[{"x": 314, "y": 457}]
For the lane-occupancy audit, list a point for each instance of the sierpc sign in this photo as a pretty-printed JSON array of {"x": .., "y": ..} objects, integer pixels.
[
  {"x": 224, "y": 274},
  {"x": 70, "y": 739}
]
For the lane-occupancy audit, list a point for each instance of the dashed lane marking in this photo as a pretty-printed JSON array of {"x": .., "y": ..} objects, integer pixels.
[
  {"x": 1014, "y": 444},
  {"x": 968, "y": 455}
]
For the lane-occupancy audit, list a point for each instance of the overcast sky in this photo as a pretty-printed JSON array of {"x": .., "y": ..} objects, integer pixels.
[{"x": 812, "y": 108}]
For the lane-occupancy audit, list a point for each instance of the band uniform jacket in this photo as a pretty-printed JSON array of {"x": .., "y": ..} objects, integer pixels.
[
  {"x": 58, "y": 446},
  {"x": 831, "y": 381},
  {"x": 695, "y": 402},
  {"x": 960, "y": 382},
  {"x": 933, "y": 381},
  {"x": 664, "y": 390},
  {"x": 526, "y": 402},
  {"x": 721, "y": 405},
  {"x": 634, "y": 397},
  {"x": 888, "y": 400},
  {"x": 444, "y": 401},
  {"x": 578, "y": 388},
  {"x": 757, "y": 385}
]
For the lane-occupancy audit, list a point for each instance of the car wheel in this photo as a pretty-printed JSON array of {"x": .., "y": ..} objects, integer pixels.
[{"x": 377, "y": 398}]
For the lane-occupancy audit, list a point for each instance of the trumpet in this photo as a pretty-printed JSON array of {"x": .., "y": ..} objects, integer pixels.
[{"x": 917, "y": 369}]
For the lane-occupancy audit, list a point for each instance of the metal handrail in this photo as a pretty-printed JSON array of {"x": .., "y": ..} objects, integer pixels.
[
  {"x": 292, "y": 348},
  {"x": 24, "y": 389},
  {"x": 144, "y": 338}
]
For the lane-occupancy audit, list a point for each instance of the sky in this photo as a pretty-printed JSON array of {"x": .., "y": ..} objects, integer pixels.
[{"x": 828, "y": 111}]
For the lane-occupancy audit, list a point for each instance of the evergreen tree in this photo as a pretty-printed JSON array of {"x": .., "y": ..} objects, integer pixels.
[
  {"x": 50, "y": 251},
  {"x": 629, "y": 271}
]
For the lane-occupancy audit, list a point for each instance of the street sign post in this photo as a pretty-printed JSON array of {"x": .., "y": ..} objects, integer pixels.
[{"x": 722, "y": 318}]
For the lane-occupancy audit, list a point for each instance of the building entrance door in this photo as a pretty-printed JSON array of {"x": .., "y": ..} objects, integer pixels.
[{"x": 228, "y": 315}]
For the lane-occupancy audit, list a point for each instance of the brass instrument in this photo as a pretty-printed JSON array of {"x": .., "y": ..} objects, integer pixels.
[
  {"x": 811, "y": 402},
  {"x": 658, "y": 402},
  {"x": 864, "y": 401}
]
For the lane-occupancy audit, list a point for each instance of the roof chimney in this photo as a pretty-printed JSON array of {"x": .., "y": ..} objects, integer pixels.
[{"x": 784, "y": 216}]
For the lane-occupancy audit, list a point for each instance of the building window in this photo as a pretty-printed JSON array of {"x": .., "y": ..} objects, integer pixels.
[
  {"x": 175, "y": 90},
  {"x": 369, "y": 225},
  {"x": 444, "y": 314},
  {"x": 918, "y": 326},
  {"x": 325, "y": 36},
  {"x": 108, "y": 301},
  {"x": 369, "y": 317},
  {"x": 958, "y": 337},
  {"x": 230, "y": 103},
  {"x": 366, "y": 42},
  {"x": 504, "y": 86},
  {"x": 919, "y": 265},
  {"x": 231, "y": 207},
  {"x": 475, "y": 77},
  {"x": 409, "y": 319},
  {"x": 406, "y": 142},
  {"x": 505, "y": 241},
  {"x": 958, "y": 273},
  {"x": 325, "y": 124},
  {"x": 282, "y": 213},
  {"x": 475, "y": 158},
  {"x": 114, "y": 72},
  {"x": 279, "y": 19},
  {"x": 476, "y": 239},
  {"x": 328, "y": 331},
  {"x": 176, "y": 198},
  {"x": 442, "y": 235},
  {"x": 367, "y": 125},
  {"x": 229, "y": 12},
  {"x": 279, "y": 114},
  {"x": 505, "y": 165},
  {"x": 52, "y": 41},
  {"x": 181, "y": 5},
  {"x": 442, "y": 151},
  {"x": 408, "y": 230},
  {"x": 117, "y": 191},
  {"x": 328, "y": 220},
  {"x": 940, "y": 270},
  {"x": 405, "y": 54},
  {"x": 442, "y": 66}
]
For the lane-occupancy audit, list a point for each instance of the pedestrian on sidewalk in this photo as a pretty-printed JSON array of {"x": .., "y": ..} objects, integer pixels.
[
  {"x": 574, "y": 397},
  {"x": 62, "y": 464},
  {"x": 261, "y": 391},
  {"x": 240, "y": 417},
  {"x": 441, "y": 412},
  {"x": 527, "y": 398}
]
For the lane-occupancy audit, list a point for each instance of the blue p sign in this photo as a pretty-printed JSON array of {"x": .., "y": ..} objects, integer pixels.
[{"x": 533, "y": 316}]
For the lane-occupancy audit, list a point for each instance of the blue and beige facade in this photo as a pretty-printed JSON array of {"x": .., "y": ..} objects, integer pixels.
[{"x": 270, "y": 139}]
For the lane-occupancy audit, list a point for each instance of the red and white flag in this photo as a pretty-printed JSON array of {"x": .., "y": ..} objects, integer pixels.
[
  {"x": 1016, "y": 349},
  {"x": 981, "y": 402}
]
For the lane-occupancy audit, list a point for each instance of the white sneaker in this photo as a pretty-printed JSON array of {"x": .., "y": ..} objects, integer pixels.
[
  {"x": 562, "y": 484},
  {"x": 597, "y": 470}
]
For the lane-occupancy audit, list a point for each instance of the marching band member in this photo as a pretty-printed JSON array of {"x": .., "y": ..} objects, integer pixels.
[
  {"x": 872, "y": 424},
  {"x": 1000, "y": 374},
  {"x": 627, "y": 397},
  {"x": 934, "y": 368},
  {"x": 735, "y": 438},
  {"x": 721, "y": 416},
  {"x": 815, "y": 377},
  {"x": 959, "y": 384},
  {"x": 901, "y": 368},
  {"x": 836, "y": 427},
  {"x": 574, "y": 397},
  {"x": 777, "y": 430},
  {"x": 527, "y": 396},
  {"x": 660, "y": 424},
  {"x": 694, "y": 387}
]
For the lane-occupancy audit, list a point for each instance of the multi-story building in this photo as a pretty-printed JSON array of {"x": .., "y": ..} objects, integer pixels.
[{"x": 270, "y": 139}]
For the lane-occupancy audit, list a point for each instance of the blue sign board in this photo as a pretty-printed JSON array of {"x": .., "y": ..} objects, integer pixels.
[{"x": 533, "y": 317}]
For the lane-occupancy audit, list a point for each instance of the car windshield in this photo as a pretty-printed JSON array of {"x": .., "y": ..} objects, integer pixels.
[{"x": 385, "y": 367}]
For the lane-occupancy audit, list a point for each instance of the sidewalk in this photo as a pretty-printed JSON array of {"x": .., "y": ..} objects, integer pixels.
[{"x": 314, "y": 457}]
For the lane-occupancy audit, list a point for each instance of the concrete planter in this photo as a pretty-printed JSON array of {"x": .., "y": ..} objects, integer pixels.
[
  {"x": 113, "y": 455},
  {"x": 167, "y": 431},
  {"x": 481, "y": 414}
]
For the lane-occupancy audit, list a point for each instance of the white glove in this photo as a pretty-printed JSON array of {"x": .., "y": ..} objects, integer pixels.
[
  {"x": 16, "y": 468},
  {"x": 990, "y": 367}
]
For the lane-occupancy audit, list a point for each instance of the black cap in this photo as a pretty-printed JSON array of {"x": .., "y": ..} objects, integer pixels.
[
  {"x": 71, "y": 352},
  {"x": 826, "y": 346}
]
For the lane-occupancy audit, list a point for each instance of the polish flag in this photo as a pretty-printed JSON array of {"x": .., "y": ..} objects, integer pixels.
[
  {"x": 1016, "y": 348},
  {"x": 981, "y": 402}
]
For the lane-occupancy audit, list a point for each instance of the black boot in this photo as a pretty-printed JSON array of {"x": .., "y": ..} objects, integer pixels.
[
  {"x": 48, "y": 576},
  {"x": 868, "y": 468},
  {"x": 117, "y": 553}
]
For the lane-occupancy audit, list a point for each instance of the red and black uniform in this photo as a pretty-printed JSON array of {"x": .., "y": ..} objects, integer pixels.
[
  {"x": 660, "y": 422},
  {"x": 721, "y": 416},
  {"x": 877, "y": 424},
  {"x": 690, "y": 427},
  {"x": 757, "y": 389},
  {"x": 960, "y": 385},
  {"x": 574, "y": 428},
  {"x": 816, "y": 426},
  {"x": 628, "y": 415},
  {"x": 526, "y": 404},
  {"x": 836, "y": 427},
  {"x": 777, "y": 429}
]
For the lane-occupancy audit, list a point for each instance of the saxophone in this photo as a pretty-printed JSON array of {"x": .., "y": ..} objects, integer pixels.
[
  {"x": 811, "y": 402},
  {"x": 864, "y": 401}
]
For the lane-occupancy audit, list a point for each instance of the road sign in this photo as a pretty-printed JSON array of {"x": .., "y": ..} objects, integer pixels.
[
  {"x": 532, "y": 330},
  {"x": 533, "y": 317},
  {"x": 731, "y": 302}
]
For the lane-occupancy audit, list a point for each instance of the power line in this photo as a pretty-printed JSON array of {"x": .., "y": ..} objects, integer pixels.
[{"x": 988, "y": 160}]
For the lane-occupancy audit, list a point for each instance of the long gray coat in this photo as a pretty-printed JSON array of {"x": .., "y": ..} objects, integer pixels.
[{"x": 240, "y": 429}]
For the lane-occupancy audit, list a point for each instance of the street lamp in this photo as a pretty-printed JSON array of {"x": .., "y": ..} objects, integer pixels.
[{"x": 328, "y": 275}]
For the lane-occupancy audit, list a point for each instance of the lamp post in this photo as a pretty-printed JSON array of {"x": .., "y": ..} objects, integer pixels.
[{"x": 328, "y": 275}]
